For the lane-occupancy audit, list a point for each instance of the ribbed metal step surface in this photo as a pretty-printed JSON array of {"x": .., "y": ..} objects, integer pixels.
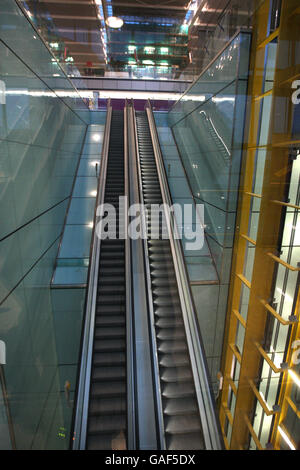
[
  {"x": 107, "y": 416},
  {"x": 182, "y": 425}
]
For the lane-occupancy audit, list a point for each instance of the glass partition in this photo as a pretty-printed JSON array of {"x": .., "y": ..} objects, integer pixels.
[
  {"x": 208, "y": 125},
  {"x": 41, "y": 137},
  {"x": 21, "y": 37}
]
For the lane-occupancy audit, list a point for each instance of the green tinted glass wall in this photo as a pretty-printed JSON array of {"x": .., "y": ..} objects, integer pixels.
[
  {"x": 208, "y": 125},
  {"x": 41, "y": 136}
]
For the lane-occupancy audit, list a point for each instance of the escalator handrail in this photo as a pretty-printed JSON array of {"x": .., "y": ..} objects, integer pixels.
[
  {"x": 130, "y": 333},
  {"x": 82, "y": 399},
  {"x": 211, "y": 428}
]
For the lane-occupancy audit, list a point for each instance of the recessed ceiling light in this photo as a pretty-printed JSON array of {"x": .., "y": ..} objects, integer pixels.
[
  {"x": 114, "y": 22},
  {"x": 96, "y": 137},
  {"x": 94, "y": 163}
]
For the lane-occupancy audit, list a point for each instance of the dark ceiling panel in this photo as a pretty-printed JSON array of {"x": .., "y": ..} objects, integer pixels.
[{"x": 156, "y": 24}]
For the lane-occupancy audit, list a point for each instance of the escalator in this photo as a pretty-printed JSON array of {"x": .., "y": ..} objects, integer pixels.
[
  {"x": 106, "y": 427},
  {"x": 181, "y": 418},
  {"x": 143, "y": 380}
]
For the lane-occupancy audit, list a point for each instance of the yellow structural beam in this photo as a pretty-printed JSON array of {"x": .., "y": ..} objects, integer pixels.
[{"x": 266, "y": 243}]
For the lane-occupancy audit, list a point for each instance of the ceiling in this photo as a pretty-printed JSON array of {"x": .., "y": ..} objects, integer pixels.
[{"x": 154, "y": 38}]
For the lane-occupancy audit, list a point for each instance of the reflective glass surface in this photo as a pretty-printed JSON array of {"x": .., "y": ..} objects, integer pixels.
[
  {"x": 41, "y": 136},
  {"x": 207, "y": 124}
]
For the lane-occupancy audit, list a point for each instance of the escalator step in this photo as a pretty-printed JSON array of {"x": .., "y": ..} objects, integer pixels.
[
  {"x": 168, "y": 311},
  {"x": 183, "y": 424},
  {"x": 158, "y": 258},
  {"x": 112, "y": 262},
  {"x": 106, "y": 424},
  {"x": 166, "y": 291},
  {"x": 160, "y": 250},
  {"x": 169, "y": 360},
  {"x": 112, "y": 255},
  {"x": 108, "y": 280},
  {"x": 169, "y": 322},
  {"x": 178, "y": 390},
  {"x": 109, "y": 359},
  {"x": 176, "y": 374},
  {"x": 112, "y": 332},
  {"x": 108, "y": 373},
  {"x": 108, "y": 271},
  {"x": 107, "y": 406},
  {"x": 166, "y": 302},
  {"x": 163, "y": 274},
  {"x": 111, "y": 299},
  {"x": 104, "y": 289},
  {"x": 163, "y": 281},
  {"x": 186, "y": 441},
  {"x": 108, "y": 389},
  {"x": 113, "y": 441},
  {"x": 181, "y": 407},
  {"x": 110, "y": 320},
  {"x": 171, "y": 347},
  {"x": 110, "y": 309},
  {"x": 109, "y": 345}
]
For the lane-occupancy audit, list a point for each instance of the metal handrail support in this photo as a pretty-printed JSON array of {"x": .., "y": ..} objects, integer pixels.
[
  {"x": 82, "y": 400},
  {"x": 211, "y": 429}
]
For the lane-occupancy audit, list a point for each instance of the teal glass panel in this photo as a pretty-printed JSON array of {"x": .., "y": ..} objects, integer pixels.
[
  {"x": 70, "y": 275},
  {"x": 85, "y": 187},
  {"x": 81, "y": 211},
  {"x": 198, "y": 259},
  {"x": 36, "y": 180},
  {"x": 174, "y": 169},
  {"x": 76, "y": 241},
  {"x": 205, "y": 142},
  {"x": 94, "y": 137},
  {"x": 200, "y": 268},
  {"x": 71, "y": 272},
  {"x": 170, "y": 152},
  {"x": 31, "y": 371},
  {"x": 72, "y": 262},
  {"x": 21, "y": 250},
  {"x": 89, "y": 166},
  {"x": 216, "y": 77},
  {"x": 5, "y": 441},
  {"x": 32, "y": 112},
  {"x": 91, "y": 149},
  {"x": 97, "y": 119},
  {"x": 68, "y": 308},
  {"x": 41, "y": 137}
]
